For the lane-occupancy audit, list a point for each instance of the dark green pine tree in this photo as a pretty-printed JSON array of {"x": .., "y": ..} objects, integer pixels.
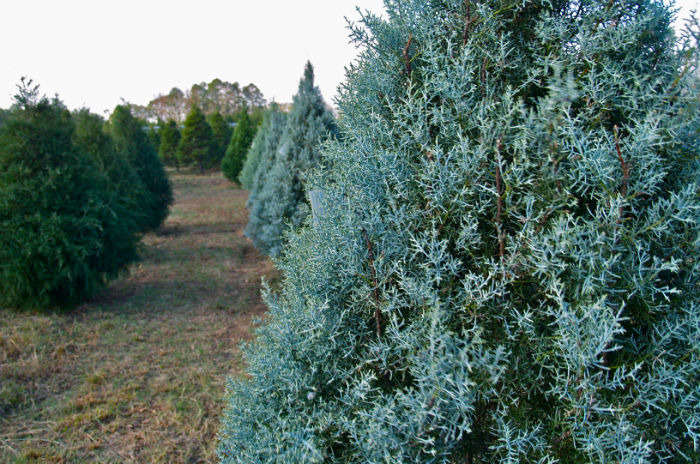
[
  {"x": 196, "y": 140},
  {"x": 131, "y": 141},
  {"x": 220, "y": 135},
  {"x": 238, "y": 146},
  {"x": 269, "y": 127},
  {"x": 92, "y": 138},
  {"x": 153, "y": 131},
  {"x": 284, "y": 203},
  {"x": 504, "y": 267},
  {"x": 64, "y": 228},
  {"x": 3, "y": 116},
  {"x": 169, "y": 141}
]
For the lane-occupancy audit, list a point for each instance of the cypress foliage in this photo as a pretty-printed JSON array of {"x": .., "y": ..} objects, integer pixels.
[
  {"x": 260, "y": 145},
  {"x": 238, "y": 146},
  {"x": 195, "y": 144},
  {"x": 505, "y": 267},
  {"x": 64, "y": 229},
  {"x": 131, "y": 141},
  {"x": 220, "y": 136},
  {"x": 169, "y": 141},
  {"x": 259, "y": 196},
  {"x": 310, "y": 122}
]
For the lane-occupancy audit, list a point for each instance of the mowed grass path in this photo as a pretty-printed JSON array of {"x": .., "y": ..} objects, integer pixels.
[{"x": 137, "y": 374}]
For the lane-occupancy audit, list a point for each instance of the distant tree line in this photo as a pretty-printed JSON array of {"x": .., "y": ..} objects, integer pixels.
[
  {"x": 76, "y": 195},
  {"x": 217, "y": 96}
]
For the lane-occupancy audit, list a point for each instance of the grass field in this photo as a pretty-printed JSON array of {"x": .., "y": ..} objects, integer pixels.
[{"x": 137, "y": 374}]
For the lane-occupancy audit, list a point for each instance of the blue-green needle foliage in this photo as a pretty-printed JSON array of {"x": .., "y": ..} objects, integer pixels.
[
  {"x": 283, "y": 203},
  {"x": 65, "y": 226},
  {"x": 273, "y": 127},
  {"x": 260, "y": 144},
  {"x": 506, "y": 266}
]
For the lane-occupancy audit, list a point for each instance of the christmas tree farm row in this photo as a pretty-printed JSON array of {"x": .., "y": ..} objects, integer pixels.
[{"x": 76, "y": 195}]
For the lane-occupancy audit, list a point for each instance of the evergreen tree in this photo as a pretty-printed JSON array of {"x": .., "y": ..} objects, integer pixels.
[
  {"x": 284, "y": 202},
  {"x": 504, "y": 267},
  {"x": 153, "y": 132},
  {"x": 238, "y": 146},
  {"x": 260, "y": 145},
  {"x": 259, "y": 196},
  {"x": 169, "y": 141},
  {"x": 3, "y": 116},
  {"x": 64, "y": 229},
  {"x": 92, "y": 139},
  {"x": 131, "y": 141},
  {"x": 220, "y": 135},
  {"x": 195, "y": 143}
]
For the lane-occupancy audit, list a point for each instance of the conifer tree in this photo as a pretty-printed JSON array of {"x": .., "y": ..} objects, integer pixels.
[
  {"x": 261, "y": 145},
  {"x": 195, "y": 143},
  {"x": 504, "y": 267},
  {"x": 259, "y": 196},
  {"x": 131, "y": 141},
  {"x": 220, "y": 137},
  {"x": 238, "y": 146},
  {"x": 64, "y": 229},
  {"x": 91, "y": 137},
  {"x": 153, "y": 132},
  {"x": 169, "y": 141},
  {"x": 284, "y": 201}
]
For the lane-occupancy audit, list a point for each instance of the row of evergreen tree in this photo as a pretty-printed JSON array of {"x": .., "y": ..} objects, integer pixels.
[
  {"x": 505, "y": 267},
  {"x": 76, "y": 195},
  {"x": 285, "y": 148},
  {"x": 207, "y": 142}
]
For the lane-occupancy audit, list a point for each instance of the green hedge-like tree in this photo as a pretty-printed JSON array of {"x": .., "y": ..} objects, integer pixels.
[
  {"x": 91, "y": 138},
  {"x": 238, "y": 146},
  {"x": 220, "y": 136},
  {"x": 269, "y": 127},
  {"x": 131, "y": 141},
  {"x": 195, "y": 144},
  {"x": 64, "y": 230},
  {"x": 504, "y": 268},
  {"x": 283, "y": 202},
  {"x": 169, "y": 141}
]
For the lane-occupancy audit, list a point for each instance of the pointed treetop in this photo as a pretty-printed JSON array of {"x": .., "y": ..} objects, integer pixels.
[{"x": 308, "y": 79}]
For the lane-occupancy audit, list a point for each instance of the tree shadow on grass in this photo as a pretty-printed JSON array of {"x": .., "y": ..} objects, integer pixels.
[{"x": 199, "y": 228}]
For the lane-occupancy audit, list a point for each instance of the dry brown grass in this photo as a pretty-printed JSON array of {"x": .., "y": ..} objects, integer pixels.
[{"x": 137, "y": 374}]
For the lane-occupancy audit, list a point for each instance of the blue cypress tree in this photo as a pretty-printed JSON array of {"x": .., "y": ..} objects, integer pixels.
[
  {"x": 259, "y": 146},
  {"x": 505, "y": 267},
  {"x": 259, "y": 196},
  {"x": 282, "y": 202}
]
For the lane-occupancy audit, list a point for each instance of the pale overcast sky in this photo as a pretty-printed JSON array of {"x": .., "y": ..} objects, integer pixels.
[{"x": 94, "y": 52}]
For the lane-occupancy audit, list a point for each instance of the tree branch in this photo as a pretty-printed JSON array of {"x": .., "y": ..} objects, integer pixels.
[{"x": 407, "y": 60}]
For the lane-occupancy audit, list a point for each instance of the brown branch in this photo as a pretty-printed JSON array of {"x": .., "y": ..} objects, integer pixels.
[
  {"x": 375, "y": 292},
  {"x": 561, "y": 438},
  {"x": 467, "y": 24},
  {"x": 499, "y": 211},
  {"x": 625, "y": 173},
  {"x": 407, "y": 60}
]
